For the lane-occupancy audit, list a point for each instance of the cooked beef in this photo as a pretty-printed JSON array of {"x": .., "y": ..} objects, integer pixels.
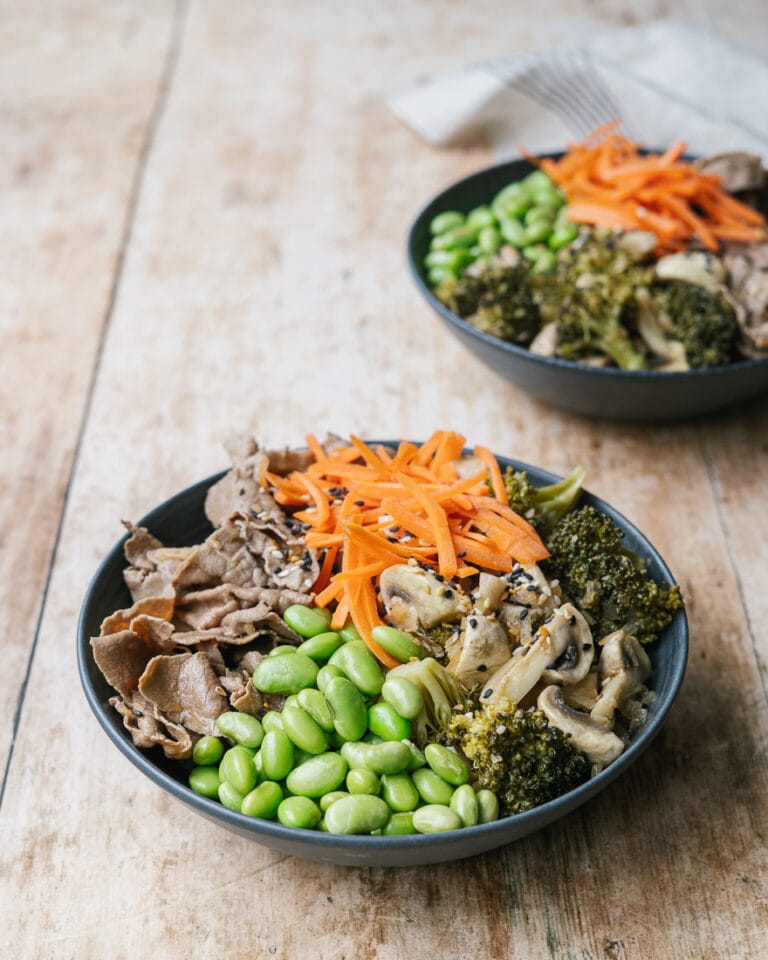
[
  {"x": 148, "y": 729},
  {"x": 161, "y": 607},
  {"x": 185, "y": 688},
  {"x": 123, "y": 656},
  {"x": 748, "y": 268}
]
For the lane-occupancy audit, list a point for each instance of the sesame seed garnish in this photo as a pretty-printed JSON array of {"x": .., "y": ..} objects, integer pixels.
[
  {"x": 473, "y": 622},
  {"x": 481, "y": 668},
  {"x": 447, "y": 594},
  {"x": 523, "y": 614},
  {"x": 487, "y": 693}
]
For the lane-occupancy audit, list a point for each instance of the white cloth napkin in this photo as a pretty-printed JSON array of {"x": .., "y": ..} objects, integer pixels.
[{"x": 666, "y": 80}]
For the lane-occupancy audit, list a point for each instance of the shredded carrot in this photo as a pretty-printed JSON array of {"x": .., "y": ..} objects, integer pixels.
[
  {"x": 608, "y": 182},
  {"x": 371, "y": 507}
]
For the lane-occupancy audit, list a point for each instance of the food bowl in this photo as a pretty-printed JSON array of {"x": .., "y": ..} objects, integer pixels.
[
  {"x": 181, "y": 521},
  {"x": 576, "y": 387}
]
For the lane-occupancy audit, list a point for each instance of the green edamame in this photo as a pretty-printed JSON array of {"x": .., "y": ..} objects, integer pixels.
[
  {"x": 229, "y": 797},
  {"x": 241, "y": 727},
  {"x": 360, "y": 667},
  {"x": 445, "y": 221},
  {"x": 350, "y": 632},
  {"x": 481, "y": 216},
  {"x": 403, "y": 694},
  {"x": 326, "y": 674},
  {"x": 399, "y": 825},
  {"x": 263, "y": 800},
  {"x": 317, "y": 707},
  {"x": 205, "y": 781},
  {"x": 282, "y": 649},
  {"x": 302, "y": 729},
  {"x": 347, "y": 707},
  {"x": 545, "y": 262},
  {"x": 487, "y": 806},
  {"x": 287, "y": 674},
  {"x": 207, "y": 751},
  {"x": 385, "y": 722},
  {"x": 464, "y": 803},
  {"x": 399, "y": 793},
  {"x": 355, "y": 753},
  {"x": 513, "y": 232},
  {"x": 237, "y": 769},
  {"x": 272, "y": 721},
  {"x": 392, "y": 756},
  {"x": 447, "y": 764},
  {"x": 417, "y": 757},
  {"x": 361, "y": 813},
  {"x": 432, "y": 789},
  {"x": 362, "y": 781},
  {"x": 397, "y": 642},
  {"x": 300, "y": 812},
  {"x": 307, "y": 621},
  {"x": 277, "y": 755},
  {"x": 435, "y": 818},
  {"x": 331, "y": 797},
  {"x": 489, "y": 241},
  {"x": 317, "y": 775},
  {"x": 321, "y": 646}
]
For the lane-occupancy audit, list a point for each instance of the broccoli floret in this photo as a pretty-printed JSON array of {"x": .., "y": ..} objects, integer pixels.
[
  {"x": 518, "y": 754},
  {"x": 543, "y": 506},
  {"x": 702, "y": 320},
  {"x": 441, "y": 692},
  {"x": 606, "y": 580},
  {"x": 499, "y": 301}
]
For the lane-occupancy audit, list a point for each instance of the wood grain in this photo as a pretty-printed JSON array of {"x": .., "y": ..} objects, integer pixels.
[{"x": 262, "y": 287}]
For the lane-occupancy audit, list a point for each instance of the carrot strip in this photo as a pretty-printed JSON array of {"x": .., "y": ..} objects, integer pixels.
[
  {"x": 497, "y": 481},
  {"x": 315, "y": 447},
  {"x": 445, "y": 552}
]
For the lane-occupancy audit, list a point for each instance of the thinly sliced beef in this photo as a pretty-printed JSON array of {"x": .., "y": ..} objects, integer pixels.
[
  {"x": 185, "y": 688},
  {"x": 161, "y": 607},
  {"x": 148, "y": 730},
  {"x": 123, "y": 656}
]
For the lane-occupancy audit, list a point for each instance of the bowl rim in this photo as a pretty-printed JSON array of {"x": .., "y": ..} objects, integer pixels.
[
  {"x": 427, "y": 212},
  {"x": 274, "y": 833}
]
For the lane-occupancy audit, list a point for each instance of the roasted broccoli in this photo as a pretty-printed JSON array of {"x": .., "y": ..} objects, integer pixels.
[
  {"x": 606, "y": 580},
  {"x": 702, "y": 320},
  {"x": 441, "y": 692},
  {"x": 499, "y": 301},
  {"x": 518, "y": 754},
  {"x": 542, "y": 507}
]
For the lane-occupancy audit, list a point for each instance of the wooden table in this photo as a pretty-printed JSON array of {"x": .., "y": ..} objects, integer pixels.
[{"x": 204, "y": 208}]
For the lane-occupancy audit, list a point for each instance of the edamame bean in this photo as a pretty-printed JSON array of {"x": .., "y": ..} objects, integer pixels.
[
  {"x": 372, "y": 738},
  {"x": 481, "y": 216},
  {"x": 272, "y": 721},
  {"x": 562, "y": 235},
  {"x": 287, "y": 674},
  {"x": 446, "y": 764},
  {"x": 360, "y": 813},
  {"x": 403, "y": 694},
  {"x": 350, "y": 632},
  {"x": 453, "y": 260},
  {"x": 277, "y": 755},
  {"x": 229, "y": 797},
  {"x": 432, "y": 789},
  {"x": 300, "y": 812},
  {"x": 399, "y": 825},
  {"x": 435, "y": 818},
  {"x": 350, "y": 718},
  {"x": 464, "y": 803},
  {"x": 326, "y": 674},
  {"x": 241, "y": 727},
  {"x": 533, "y": 252},
  {"x": 282, "y": 649},
  {"x": 385, "y": 722},
  {"x": 307, "y": 621},
  {"x": 436, "y": 275},
  {"x": 489, "y": 241},
  {"x": 513, "y": 232},
  {"x": 389, "y": 757},
  {"x": 445, "y": 221},
  {"x": 321, "y": 646},
  {"x": 545, "y": 262},
  {"x": 207, "y": 751},
  {"x": 237, "y": 769},
  {"x": 417, "y": 757},
  {"x": 258, "y": 767},
  {"x": 317, "y": 707},
  {"x": 540, "y": 213},
  {"x": 362, "y": 781},
  {"x": 355, "y": 753},
  {"x": 537, "y": 232},
  {"x": 399, "y": 792},
  {"x": 536, "y": 180},
  {"x": 318, "y": 775},
  {"x": 331, "y": 797},
  {"x": 397, "y": 642},
  {"x": 512, "y": 201},
  {"x": 463, "y": 236},
  {"x": 487, "y": 806},
  {"x": 302, "y": 729},
  {"x": 360, "y": 667},
  {"x": 263, "y": 800},
  {"x": 205, "y": 781}
]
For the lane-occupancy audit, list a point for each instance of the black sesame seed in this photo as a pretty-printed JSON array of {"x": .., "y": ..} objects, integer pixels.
[
  {"x": 531, "y": 588},
  {"x": 359, "y": 503},
  {"x": 278, "y": 570},
  {"x": 487, "y": 693},
  {"x": 461, "y": 554},
  {"x": 523, "y": 614},
  {"x": 572, "y": 621},
  {"x": 136, "y": 712},
  {"x": 392, "y": 539},
  {"x": 447, "y": 594},
  {"x": 440, "y": 577},
  {"x": 482, "y": 668},
  {"x": 526, "y": 575},
  {"x": 586, "y": 646},
  {"x": 473, "y": 622}
]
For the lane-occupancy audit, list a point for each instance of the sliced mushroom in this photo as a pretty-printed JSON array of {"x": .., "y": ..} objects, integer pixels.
[
  {"x": 524, "y": 670},
  {"x": 414, "y": 597},
  {"x": 530, "y": 588},
  {"x": 624, "y": 667},
  {"x": 704, "y": 269},
  {"x": 737, "y": 170},
  {"x": 546, "y": 340},
  {"x": 583, "y": 695},
  {"x": 482, "y": 647},
  {"x": 651, "y": 329},
  {"x": 574, "y": 663},
  {"x": 592, "y": 736},
  {"x": 520, "y": 622},
  {"x": 491, "y": 590},
  {"x": 639, "y": 244}
]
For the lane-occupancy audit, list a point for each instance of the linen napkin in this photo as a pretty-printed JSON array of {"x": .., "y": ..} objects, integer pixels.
[{"x": 665, "y": 80}]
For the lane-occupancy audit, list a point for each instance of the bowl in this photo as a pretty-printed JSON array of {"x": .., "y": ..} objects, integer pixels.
[
  {"x": 576, "y": 387},
  {"x": 181, "y": 521}
]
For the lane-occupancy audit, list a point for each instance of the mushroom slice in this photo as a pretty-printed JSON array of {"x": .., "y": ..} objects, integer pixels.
[
  {"x": 650, "y": 328},
  {"x": 529, "y": 587},
  {"x": 624, "y": 667},
  {"x": 587, "y": 734},
  {"x": 414, "y": 597},
  {"x": 546, "y": 340},
  {"x": 529, "y": 662},
  {"x": 704, "y": 269},
  {"x": 573, "y": 665},
  {"x": 491, "y": 590},
  {"x": 482, "y": 647},
  {"x": 520, "y": 622},
  {"x": 583, "y": 695}
]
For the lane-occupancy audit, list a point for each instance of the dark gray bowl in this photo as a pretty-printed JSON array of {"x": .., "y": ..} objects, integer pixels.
[
  {"x": 181, "y": 521},
  {"x": 595, "y": 392}
]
